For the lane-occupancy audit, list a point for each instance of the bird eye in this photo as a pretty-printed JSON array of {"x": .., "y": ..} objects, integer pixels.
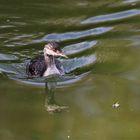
[
  {"x": 54, "y": 49},
  {"x": 58, "y": 51}
]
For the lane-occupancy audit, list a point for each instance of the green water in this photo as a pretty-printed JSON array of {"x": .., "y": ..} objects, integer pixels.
[{"x": 101, "y": 89}]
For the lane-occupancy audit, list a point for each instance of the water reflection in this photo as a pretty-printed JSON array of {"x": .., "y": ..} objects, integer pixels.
[
  {"x": 102, "y": 39},
  {"x": 76, "y": 35},
  {"x": 112, "y": 17},
  {"x": 50, "y": 103},
  {"x": 79, "y": 47}
]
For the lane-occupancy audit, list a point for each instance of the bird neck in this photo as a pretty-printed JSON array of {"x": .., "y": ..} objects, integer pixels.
[
  {"x": 50, "y": 60},
  {"x": 51, "y": 66}
]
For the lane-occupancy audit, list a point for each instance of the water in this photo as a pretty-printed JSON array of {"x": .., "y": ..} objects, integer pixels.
[{"x": 98, "y": 98}]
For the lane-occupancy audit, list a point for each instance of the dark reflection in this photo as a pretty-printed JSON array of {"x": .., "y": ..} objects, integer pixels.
[{"x": 50, "y": 102}]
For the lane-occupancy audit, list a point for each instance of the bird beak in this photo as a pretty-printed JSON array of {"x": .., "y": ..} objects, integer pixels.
[
  {"x": 54, "y": 53},
  {"x": 62, "y": 55}
]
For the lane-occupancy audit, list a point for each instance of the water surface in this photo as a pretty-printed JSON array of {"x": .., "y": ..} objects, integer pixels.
[{"x": 98, "y": 98}]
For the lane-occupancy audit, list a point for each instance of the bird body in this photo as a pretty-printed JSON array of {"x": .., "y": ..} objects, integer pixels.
[{"x": 47, "y": 64}]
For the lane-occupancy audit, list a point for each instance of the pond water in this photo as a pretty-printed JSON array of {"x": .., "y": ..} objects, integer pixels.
[{"x": 98, "y": 98}]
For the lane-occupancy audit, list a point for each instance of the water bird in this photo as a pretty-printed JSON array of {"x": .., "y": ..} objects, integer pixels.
[{"x": 47, "y": 64}]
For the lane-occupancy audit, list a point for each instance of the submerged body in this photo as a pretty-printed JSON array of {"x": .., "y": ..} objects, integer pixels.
[{"x": 47, "y": 64}]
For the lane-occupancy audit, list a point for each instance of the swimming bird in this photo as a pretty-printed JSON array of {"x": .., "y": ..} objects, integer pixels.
[{"x": 47, "y": 64}]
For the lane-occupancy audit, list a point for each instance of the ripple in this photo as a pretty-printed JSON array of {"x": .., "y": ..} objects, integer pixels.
[
  {"x": 72, "y": 64},
  {"x": 20, "y": 39},
  {"x": 6, "y": 26},
  {"x": 62, "y": 81},
  {"x": 130, "y": 1},
  {"x": 5, "y": 68},
  {"x": 112, "y": 17},
  {"x": 7, "y": 57},
  {"x": 17, "y": 72},
  {"x": 79, "y": 47},
  {"x": 76, "y": 35}
]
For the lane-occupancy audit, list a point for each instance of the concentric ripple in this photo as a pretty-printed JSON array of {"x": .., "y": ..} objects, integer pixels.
[
  {"x": 112, "y": 17},
  {"x": 88, "y": 45},
  {"x": 76, "y": 35},
  {"x": 79, "y": 47}
]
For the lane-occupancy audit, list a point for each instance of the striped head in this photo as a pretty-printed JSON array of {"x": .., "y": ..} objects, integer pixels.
[{"x": 52, "y": 49}]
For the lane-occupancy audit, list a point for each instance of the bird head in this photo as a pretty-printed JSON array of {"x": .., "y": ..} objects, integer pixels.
[{"x": 52, "y": 49}]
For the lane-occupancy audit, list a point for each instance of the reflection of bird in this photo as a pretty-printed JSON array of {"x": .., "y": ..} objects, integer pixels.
[
  {"x": 50, "y": 102},
  {"x": 47, "y": 64}
]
